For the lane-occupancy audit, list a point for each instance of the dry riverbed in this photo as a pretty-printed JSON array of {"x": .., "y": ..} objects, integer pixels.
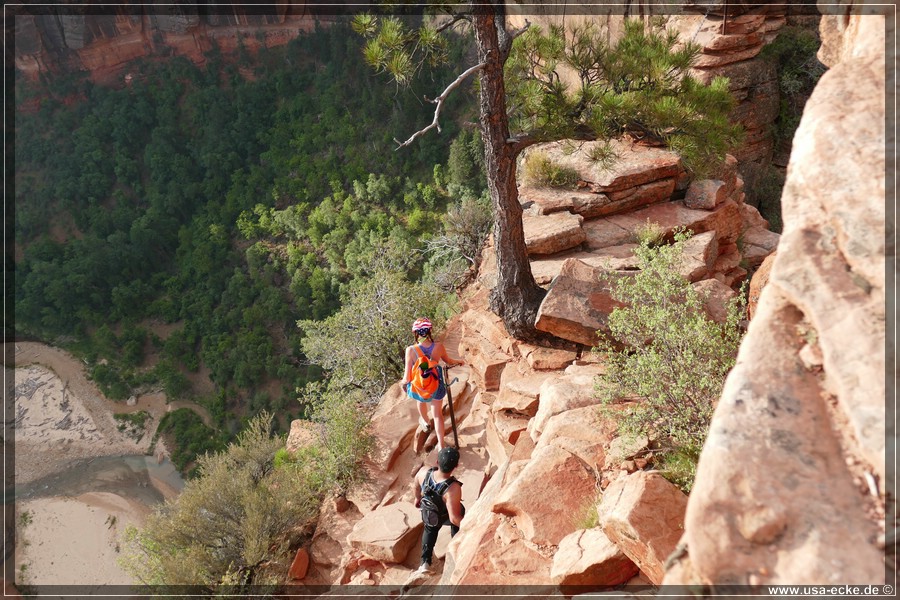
[{"x": 61, "y": 418}]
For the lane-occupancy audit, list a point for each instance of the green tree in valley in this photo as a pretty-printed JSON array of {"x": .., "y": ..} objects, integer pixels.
[{"x": 639, "y": 84}]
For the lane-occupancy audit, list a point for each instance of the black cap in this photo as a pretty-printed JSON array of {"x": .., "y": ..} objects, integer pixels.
[{"x": 448, "y": 458}]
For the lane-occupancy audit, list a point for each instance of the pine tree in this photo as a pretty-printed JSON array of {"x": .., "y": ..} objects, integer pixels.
[{"x": 639, "y": 86}]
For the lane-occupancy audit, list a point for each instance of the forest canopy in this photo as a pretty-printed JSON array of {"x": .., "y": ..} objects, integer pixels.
[{"x": 226, "y": 208}]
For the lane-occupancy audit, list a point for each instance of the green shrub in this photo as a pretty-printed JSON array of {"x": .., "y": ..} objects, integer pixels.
[
  {"x": 663, "y": 349},
  {"x": 604, "y": 154},
  {"x": 135, "y": 424},
  {"x": 588, "y": 517},
  {"x": 539, "y": 169},
  {"x": 650, "y": 234},
  {"x": 361, "y": 347},
  {"x": 794, "y": 52},
  {"x": 680, "y": 466},
  {"x": 238, "y": 516}
]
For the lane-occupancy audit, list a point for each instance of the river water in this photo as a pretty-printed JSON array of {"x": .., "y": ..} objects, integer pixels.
[{"x": 128, "y": 476}]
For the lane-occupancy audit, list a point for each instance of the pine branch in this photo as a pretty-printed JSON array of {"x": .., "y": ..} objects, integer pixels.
[{"x": 439, "y": 101}]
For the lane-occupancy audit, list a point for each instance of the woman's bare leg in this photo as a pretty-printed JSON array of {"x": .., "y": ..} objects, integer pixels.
[
  {"x": 438, "y": 416},
  {"x": 423, "y": 413}
]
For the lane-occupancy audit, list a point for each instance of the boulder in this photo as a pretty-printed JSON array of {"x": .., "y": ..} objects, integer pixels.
[
  {"x": 507, "y": 425},
  {"x": 544, "y": 269},
  {"x": 577, "y": 304},
  {"x": 725, "y": 220},
  {"x": 519, "y": 563},
  {"x": 710, "y": 60},
  {"x": 635, "y": 165},
  {"x": 559, "y": 395},
  {"x": 637, "y": 196},
  {"x": 487, "y": 363},
  {"x": 643, "y": 514},
  {"x": 392, "y": 425},
  {"x": 551, "y": 200},
  {"x": 552, "y": 233},
  {"x": 716, "y": 296},
  {"x": 585, "y": 424},
  {"x": 757, "y": 244},
  {"x": 300, "y": 564},
  {"x": 588, "y": 559},
  {"x": 465, "y": 556},
  {"x": 602, "y": 233},
  {"x": 548, "y": 359},
  {"x": 519, "y": 393},
  {"x": 388, "y": 533},
  {"x": 624, "y": 448},
  {"x": 706, "y": 194},
  {"x": 699, "y": 254},
  {"x": 484, "y": 325},
  {"x": 547, "y": 518}
]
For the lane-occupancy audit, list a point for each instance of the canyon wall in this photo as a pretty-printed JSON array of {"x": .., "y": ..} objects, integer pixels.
[
  {"x": 792, "y": 483},
  {"x": 103, "y": 41}
]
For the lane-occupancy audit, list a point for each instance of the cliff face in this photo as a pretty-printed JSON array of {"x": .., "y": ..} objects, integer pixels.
[
  {"x": 791, "y": 483},
  {"x": 49, "y": 40}
]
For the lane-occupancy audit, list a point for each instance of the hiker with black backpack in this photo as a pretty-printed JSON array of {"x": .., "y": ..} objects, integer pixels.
[
  {"x": 422, "y": 379},
  {"x": 439, "y": 498}
]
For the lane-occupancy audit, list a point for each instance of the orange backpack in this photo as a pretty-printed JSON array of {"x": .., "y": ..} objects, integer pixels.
[{"x": 425, "y": 382}]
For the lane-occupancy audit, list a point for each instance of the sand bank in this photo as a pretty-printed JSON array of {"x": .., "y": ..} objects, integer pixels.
[{"x": 60, "y": 417}]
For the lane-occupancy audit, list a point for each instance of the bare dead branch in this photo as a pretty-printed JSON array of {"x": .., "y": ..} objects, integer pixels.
[
  {"x": 517, "y": 32},
  {"x": 456, "y": 19},
  {"x": 439, "y": 101}
]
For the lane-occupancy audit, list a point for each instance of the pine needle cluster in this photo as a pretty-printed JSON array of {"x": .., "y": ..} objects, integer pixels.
[{"x": 574, "y": 84}]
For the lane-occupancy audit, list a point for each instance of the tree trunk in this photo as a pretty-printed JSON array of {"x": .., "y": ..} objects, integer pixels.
[{"x": 517, "y": 297}]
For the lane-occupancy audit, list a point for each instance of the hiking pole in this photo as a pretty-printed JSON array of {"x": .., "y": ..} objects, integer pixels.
[{"x": 450, "y": 400}]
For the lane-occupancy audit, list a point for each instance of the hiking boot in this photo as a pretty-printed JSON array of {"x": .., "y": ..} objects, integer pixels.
[{"x": 424, "y": 569}]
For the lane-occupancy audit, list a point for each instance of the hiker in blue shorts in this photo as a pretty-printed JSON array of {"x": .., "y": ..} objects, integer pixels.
[{"x": 422, "y": 380}]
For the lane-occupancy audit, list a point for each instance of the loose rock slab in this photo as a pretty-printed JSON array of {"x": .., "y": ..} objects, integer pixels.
[
  {"x": 577, "y": 304},
  {"x": 643, "y": 514},
  {"x": 388, "y": 533},
  {"x": 588, "y": 558}
]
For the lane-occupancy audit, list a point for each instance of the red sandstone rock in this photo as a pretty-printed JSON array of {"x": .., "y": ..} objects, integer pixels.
[
  {"x": 300, "y": 565},
  {"x": 588, "y": 559},
  {"x": 551, "y": 200},
  {"x": 706, "y": 194},
  {"x": 757, "y": 283},
  {"x": 757, "y": 244},
  {"x": 716, "y": 297},
  {"x": 552, "y": 233},
  {"x": 643, "y": 514},
  {"x": 563, "y": 394},
  {"x": 699, "y": 254},
  {"x": 547, "y": 359},
  {"x": 546, "y": 518},
  {"x": 519, "y": 393},
  {"x": 602, "y": 233},
  {"x": 388, "y": 533},
  {"x": 577, "y": 304}
]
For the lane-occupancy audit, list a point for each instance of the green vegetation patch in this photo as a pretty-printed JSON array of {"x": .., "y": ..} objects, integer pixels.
[{"x": 664, "y": 350}]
